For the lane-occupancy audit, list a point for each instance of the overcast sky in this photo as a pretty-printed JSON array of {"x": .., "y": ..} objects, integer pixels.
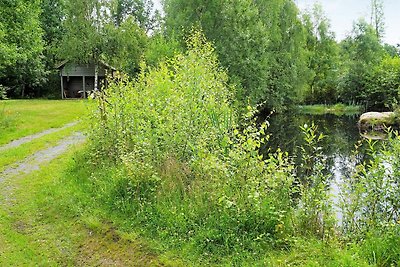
[{"x": 342, "y": 14}]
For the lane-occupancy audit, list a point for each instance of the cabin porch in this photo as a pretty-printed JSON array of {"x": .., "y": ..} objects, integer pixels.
[{"x": 78, "y": 87}]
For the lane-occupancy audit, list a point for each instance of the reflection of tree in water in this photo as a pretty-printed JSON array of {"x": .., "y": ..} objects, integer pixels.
[
  {"x": 342, "y": 133},
  {"x": 337, "y": 148},
  {"x": 340, "y": 160}
]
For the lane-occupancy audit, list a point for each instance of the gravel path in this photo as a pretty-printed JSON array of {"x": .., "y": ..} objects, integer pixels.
[
  {"x": 33, "y": 162},
  {"x": 29, "y": 138}
]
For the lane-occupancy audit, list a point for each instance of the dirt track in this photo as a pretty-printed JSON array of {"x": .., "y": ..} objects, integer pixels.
[
  {"x": 34, "y": 161},
  {"x": 29, "y": 138}
]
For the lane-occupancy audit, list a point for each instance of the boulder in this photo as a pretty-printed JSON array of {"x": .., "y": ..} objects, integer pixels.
[{"x": 376, "y": 120}]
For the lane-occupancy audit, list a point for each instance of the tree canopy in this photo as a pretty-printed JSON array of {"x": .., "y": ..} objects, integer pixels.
[
  {"x": 21, "y": 46},
  {"x": 259, "y": 42},
  {"x": 275, "y": 54}
]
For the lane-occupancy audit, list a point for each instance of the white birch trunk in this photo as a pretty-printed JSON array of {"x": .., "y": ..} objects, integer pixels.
[{"x": 96, "y": 77}]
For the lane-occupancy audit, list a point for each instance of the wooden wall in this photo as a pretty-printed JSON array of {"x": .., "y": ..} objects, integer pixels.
[{"x": 71, "y": 69}]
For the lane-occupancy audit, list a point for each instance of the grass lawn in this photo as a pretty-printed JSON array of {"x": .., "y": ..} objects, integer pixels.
[
  {"x": 46, "y": 217},
  {"x": 16, "y": 154},
  {"x": 53, "y": 222},
  {"x": 338, "y": 109},
  {"x": 19, "y": 118}
]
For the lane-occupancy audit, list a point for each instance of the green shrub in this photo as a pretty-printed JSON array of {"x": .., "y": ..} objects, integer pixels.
[
  {"x": 371, "y": 197},
  {"x": 315, "y": 211},
  {"x": 183, "y": 166},
  {"x": 170, "y": 155},
  {"x": 382, "y": 247},
  {"x": 370, "y": 201}
]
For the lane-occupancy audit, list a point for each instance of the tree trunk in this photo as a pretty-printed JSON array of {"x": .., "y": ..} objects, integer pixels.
[
  {"x": 96, "y": 77},
  {"x": 23, "y": 91}
]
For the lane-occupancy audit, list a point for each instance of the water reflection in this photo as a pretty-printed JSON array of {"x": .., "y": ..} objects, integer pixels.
[
  {"x": 338, "y": 147},
  {"x": 342, "y": 132}
]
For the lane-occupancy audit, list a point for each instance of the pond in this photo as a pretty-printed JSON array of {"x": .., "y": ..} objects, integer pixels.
[
  {"x": 338, "y": 146},
  {"x": 341, "y": 131}
]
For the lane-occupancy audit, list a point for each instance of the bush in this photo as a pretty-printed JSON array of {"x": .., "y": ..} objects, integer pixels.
[
  {"x": 371, "y": 197},
  {"x": 370, "y": 201},
  {"x": 384, "y": 85},
  {"x": 382, "y": 247},
  {"x": 174, "y": 159},
  {"x": 183, "y": 166}
]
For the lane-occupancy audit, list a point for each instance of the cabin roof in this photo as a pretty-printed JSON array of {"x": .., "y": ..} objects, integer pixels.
[{"x": 62, "y": 64}]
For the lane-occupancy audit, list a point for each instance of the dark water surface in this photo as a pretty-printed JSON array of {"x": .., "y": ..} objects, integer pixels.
[
  {"x": 337, "y": 147},
  {"x": 341, "y": 133}
]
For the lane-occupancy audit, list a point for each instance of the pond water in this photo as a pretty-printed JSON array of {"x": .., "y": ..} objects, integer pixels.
[
  {"x": 341, "y": 135},
  {"x": 341, "y": 131},
  {"x": 337, "y": 147}
]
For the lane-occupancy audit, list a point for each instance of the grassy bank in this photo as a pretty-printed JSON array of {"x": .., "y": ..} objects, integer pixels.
[
  {"x": 171, "y": 175},
  {"x": 338, "y": 109},
  {"x": 57, "y": 219},
  {"x": 171, "y": 159}
]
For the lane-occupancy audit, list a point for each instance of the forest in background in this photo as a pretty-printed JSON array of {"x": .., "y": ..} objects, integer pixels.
[{"x": 276, "y": 55}]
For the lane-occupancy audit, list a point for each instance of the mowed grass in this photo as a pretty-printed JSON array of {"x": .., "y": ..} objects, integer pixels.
[
  {"x": 46, "y": 217},
  {"x": 19, "y": 118},
  {"x": 53, "y": 222}
]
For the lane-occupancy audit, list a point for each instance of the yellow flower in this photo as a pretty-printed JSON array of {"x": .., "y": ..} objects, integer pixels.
[{"x": 278, "y": 227}]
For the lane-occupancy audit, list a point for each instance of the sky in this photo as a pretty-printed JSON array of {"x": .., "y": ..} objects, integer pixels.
[{"x": 342, "y": 14}]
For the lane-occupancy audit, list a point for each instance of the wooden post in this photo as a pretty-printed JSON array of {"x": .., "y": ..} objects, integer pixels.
[
  {"x": 62, "y": 86},
  {"x": 106, "y": 78},
  {"x": 84, "y": 86}
]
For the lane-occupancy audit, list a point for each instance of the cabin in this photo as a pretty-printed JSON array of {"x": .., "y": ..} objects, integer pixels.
[{"x": 77, "y": 80}]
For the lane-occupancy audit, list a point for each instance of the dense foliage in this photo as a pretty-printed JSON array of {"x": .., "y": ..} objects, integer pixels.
[
  {"x": 21, "y": 46},
  {"x": 169, "y": 154},
  {"x": 323, "y": 59},
  {"x": 280, "y": 60},
  {"x": 276, "y": 55},
  {"x": 259, "y": 42},
  {"x": 181, "y": 164}
]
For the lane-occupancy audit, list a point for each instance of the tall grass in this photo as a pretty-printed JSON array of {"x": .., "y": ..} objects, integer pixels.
[{"x": 371, "y": 201}]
